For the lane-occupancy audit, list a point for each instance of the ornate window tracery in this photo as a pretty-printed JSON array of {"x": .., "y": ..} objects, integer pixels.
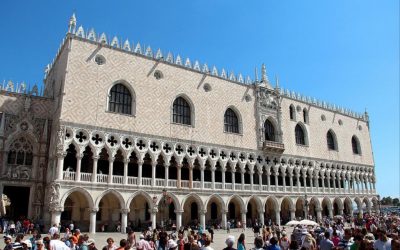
[
  {"x": 269, "y": 131},
  {"x": 20, "y": 153},
  {"x": 300, "y": 135}
]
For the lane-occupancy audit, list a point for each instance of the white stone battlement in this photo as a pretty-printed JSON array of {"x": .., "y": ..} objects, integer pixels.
[{"x": 21, "y": 88}]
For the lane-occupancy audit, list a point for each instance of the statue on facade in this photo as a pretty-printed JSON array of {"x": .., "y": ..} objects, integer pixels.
[{"x": 54, "y": 193}]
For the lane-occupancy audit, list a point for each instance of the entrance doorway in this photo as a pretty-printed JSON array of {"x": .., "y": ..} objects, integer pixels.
[{"x": 19, "y": 198}]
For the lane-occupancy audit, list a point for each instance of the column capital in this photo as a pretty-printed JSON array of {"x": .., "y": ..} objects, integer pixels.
[
  {"x": 79, "y": 156},
  {"x": 126, "y": 160},
  {"x": 111, "y": 159},
  {"x": 140, "y": 161},
  {"x": 93, "y": 210},
  {"x": 179, "y": 211},
  {"x": 125, "y": 210}
]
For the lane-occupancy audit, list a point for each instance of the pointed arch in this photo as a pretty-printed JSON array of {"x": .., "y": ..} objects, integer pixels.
[
  {"x": 147, "y": 197},
  {"x": 121, "y": 98},
  {"x": 238, "y": 198},
  {"x": 257, "y": 200},
  {"x": 290, "y": 202},
  {"x": 80, "y": 190},
  {"x": 305, "y": 116},
  {"x": 196, "y": 197},
  {"x": 331, "y": 140},
  {"x": 232, "y": 120},
  {"x": 217, "y": 197},
  {"x": 270, "y": 129},
  {"x": 301, "y": 134},
  {"x": 113, "y": 192},
  {"x": 274, "y": 201},
  {"x": 182, "y": 110},
  {"x": 292, "y": 112},
  {"x": 355, "y": 145}
]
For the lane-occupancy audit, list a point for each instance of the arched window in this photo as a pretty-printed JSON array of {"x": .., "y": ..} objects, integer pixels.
[
  {"x": 300, "y": 137},
  {"x": 120, "y": 100},
  {"x": 231, "y": 121},
  {"x": 355, "y": 144},
  {"x": 181, "y": 111},
  {"x": 305, "y": 115},
  {"x": 269, "y": 131},
  {"x": 292, "y": 112},
  {"x": 330, "y": 140},
  {"x": 20, "y": 153}
]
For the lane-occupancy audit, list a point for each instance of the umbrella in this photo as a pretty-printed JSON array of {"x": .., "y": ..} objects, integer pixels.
[
  {"x": 292, "y": 223},
  {"x": 308, "y": 223}
]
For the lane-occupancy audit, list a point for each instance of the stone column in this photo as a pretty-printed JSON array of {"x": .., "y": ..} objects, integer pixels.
[
  {"x": 251, "y": 179},
  {"x": 305, "y": 183},
  {"x": 140, "y": 168},
  {"x": 78, "y": 167},
  {"x": 233, "y": 179},
  {"x": 153, "y": 173},
  {"x": 223, "y": 218},
  {"x": 202, "y": 167},
  {"x": 56, "y": 215},
  {"x": 292, "y": 214},
  {"x": 276, "y": 173},
  {"x": 213, "y": 177},
  {"x": 178, "y": 175},
  {"x": 60, "y": 166},
  {"x": 223, "y": 178},
  {"x": 110, "y": 169},
  {"x": 124, "y": 220},
  {"x": 126, "y": 162},
  {"x": 244, "y": 223},
  {"x": 178, "y": 219},
  {"x": 323, "y": 184},
  {"x": 334, "y": 184},
  {"x": 291, "y": 182},
  {"x": 319, "y": 214},
  {"x": 154, "y": 218},
  {"x": 242, "y": 177},
  {"x": 284, "y": 181},
  {"x": 298, "y": 181},
  {"x": 268, "y": 180},
  {"x": 94, "y": 173},
  {"x": 203, "y": 219},
  {"x": 278, "y": 217},
  {"x": 92, "y": 226},
  {"x": 330, "y": 212},
  {"x": 166, "y": 176},
  {"x": 328, "y": 181},
  {"x": 260, "y": 180},
  {"x": 261, "y": 216},
  {"x": 190, "y": 176}
]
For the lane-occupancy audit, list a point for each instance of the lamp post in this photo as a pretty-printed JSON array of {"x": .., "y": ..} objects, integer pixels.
[{"x": 305, "y": 207}]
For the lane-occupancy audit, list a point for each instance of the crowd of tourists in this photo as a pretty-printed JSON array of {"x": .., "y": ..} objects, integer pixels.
[{"x": 367, "y": 232}]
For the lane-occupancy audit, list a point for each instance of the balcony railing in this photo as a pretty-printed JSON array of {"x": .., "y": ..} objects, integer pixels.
[
  {"x": 273, "y": 146},
  {"x": 185, "y": 184}
]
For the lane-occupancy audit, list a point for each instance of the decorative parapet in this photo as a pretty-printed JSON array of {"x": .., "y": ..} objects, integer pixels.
[
  {"x": 324, "y": 105},
  {"x": 21, "y": 88}
]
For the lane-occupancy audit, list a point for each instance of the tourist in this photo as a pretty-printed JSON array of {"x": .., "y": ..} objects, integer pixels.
[
  {"x": 39, "y": 245},
  {"x": 171, "y": 245},
  {"x": 91, "y": 244},
  {"x": 131, "y": 240},
  {"x": 143, "y": 244},
  {"x": 75, "y": 236},
  {"x": 256, "y": 229},
  {"x": 110, "y": 245},
  {"x": 258, "y": 243},
  {"x": 8, "y": 242},
  {"x": 56, "y": 243},
  {"x": 335, "y": 238},
  {"x": 122, "y": 244},
  {"x": 207, "y": 243},
  {"x": 180, "y": 241},
  {"x": 347, "y": 240},
  {"x": 241, "y": 243},
  {"x": 228, "y": 227},
  {"x": 229, "y": 243},
  {"x": 293, "y": 245},
  {"x": 53, "y": 230},
  {"x": 35, "y": 236},
  {"x": 12, "y": 228},
  {"x": 383, "y": 242},
  {"x": 284, "y": 242},
  {"x": 273, "y": 244},
  {"x": 326, "y": 243},
  {"x": 26, "y": 245}
]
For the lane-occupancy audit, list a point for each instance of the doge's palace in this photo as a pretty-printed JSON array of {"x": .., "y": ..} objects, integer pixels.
[{"x": 124, "y": 133}]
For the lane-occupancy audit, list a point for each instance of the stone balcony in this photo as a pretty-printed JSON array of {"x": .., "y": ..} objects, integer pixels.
[
  {"x": 172, "y": 184},
  {"x": 273, "y": 146}
]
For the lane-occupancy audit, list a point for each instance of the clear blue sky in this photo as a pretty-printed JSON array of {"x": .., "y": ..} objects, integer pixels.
[{"x": 343, "y": 52}]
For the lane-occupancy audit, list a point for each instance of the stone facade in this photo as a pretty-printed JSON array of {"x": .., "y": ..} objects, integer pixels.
[{"x": 96, "y": 167}]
